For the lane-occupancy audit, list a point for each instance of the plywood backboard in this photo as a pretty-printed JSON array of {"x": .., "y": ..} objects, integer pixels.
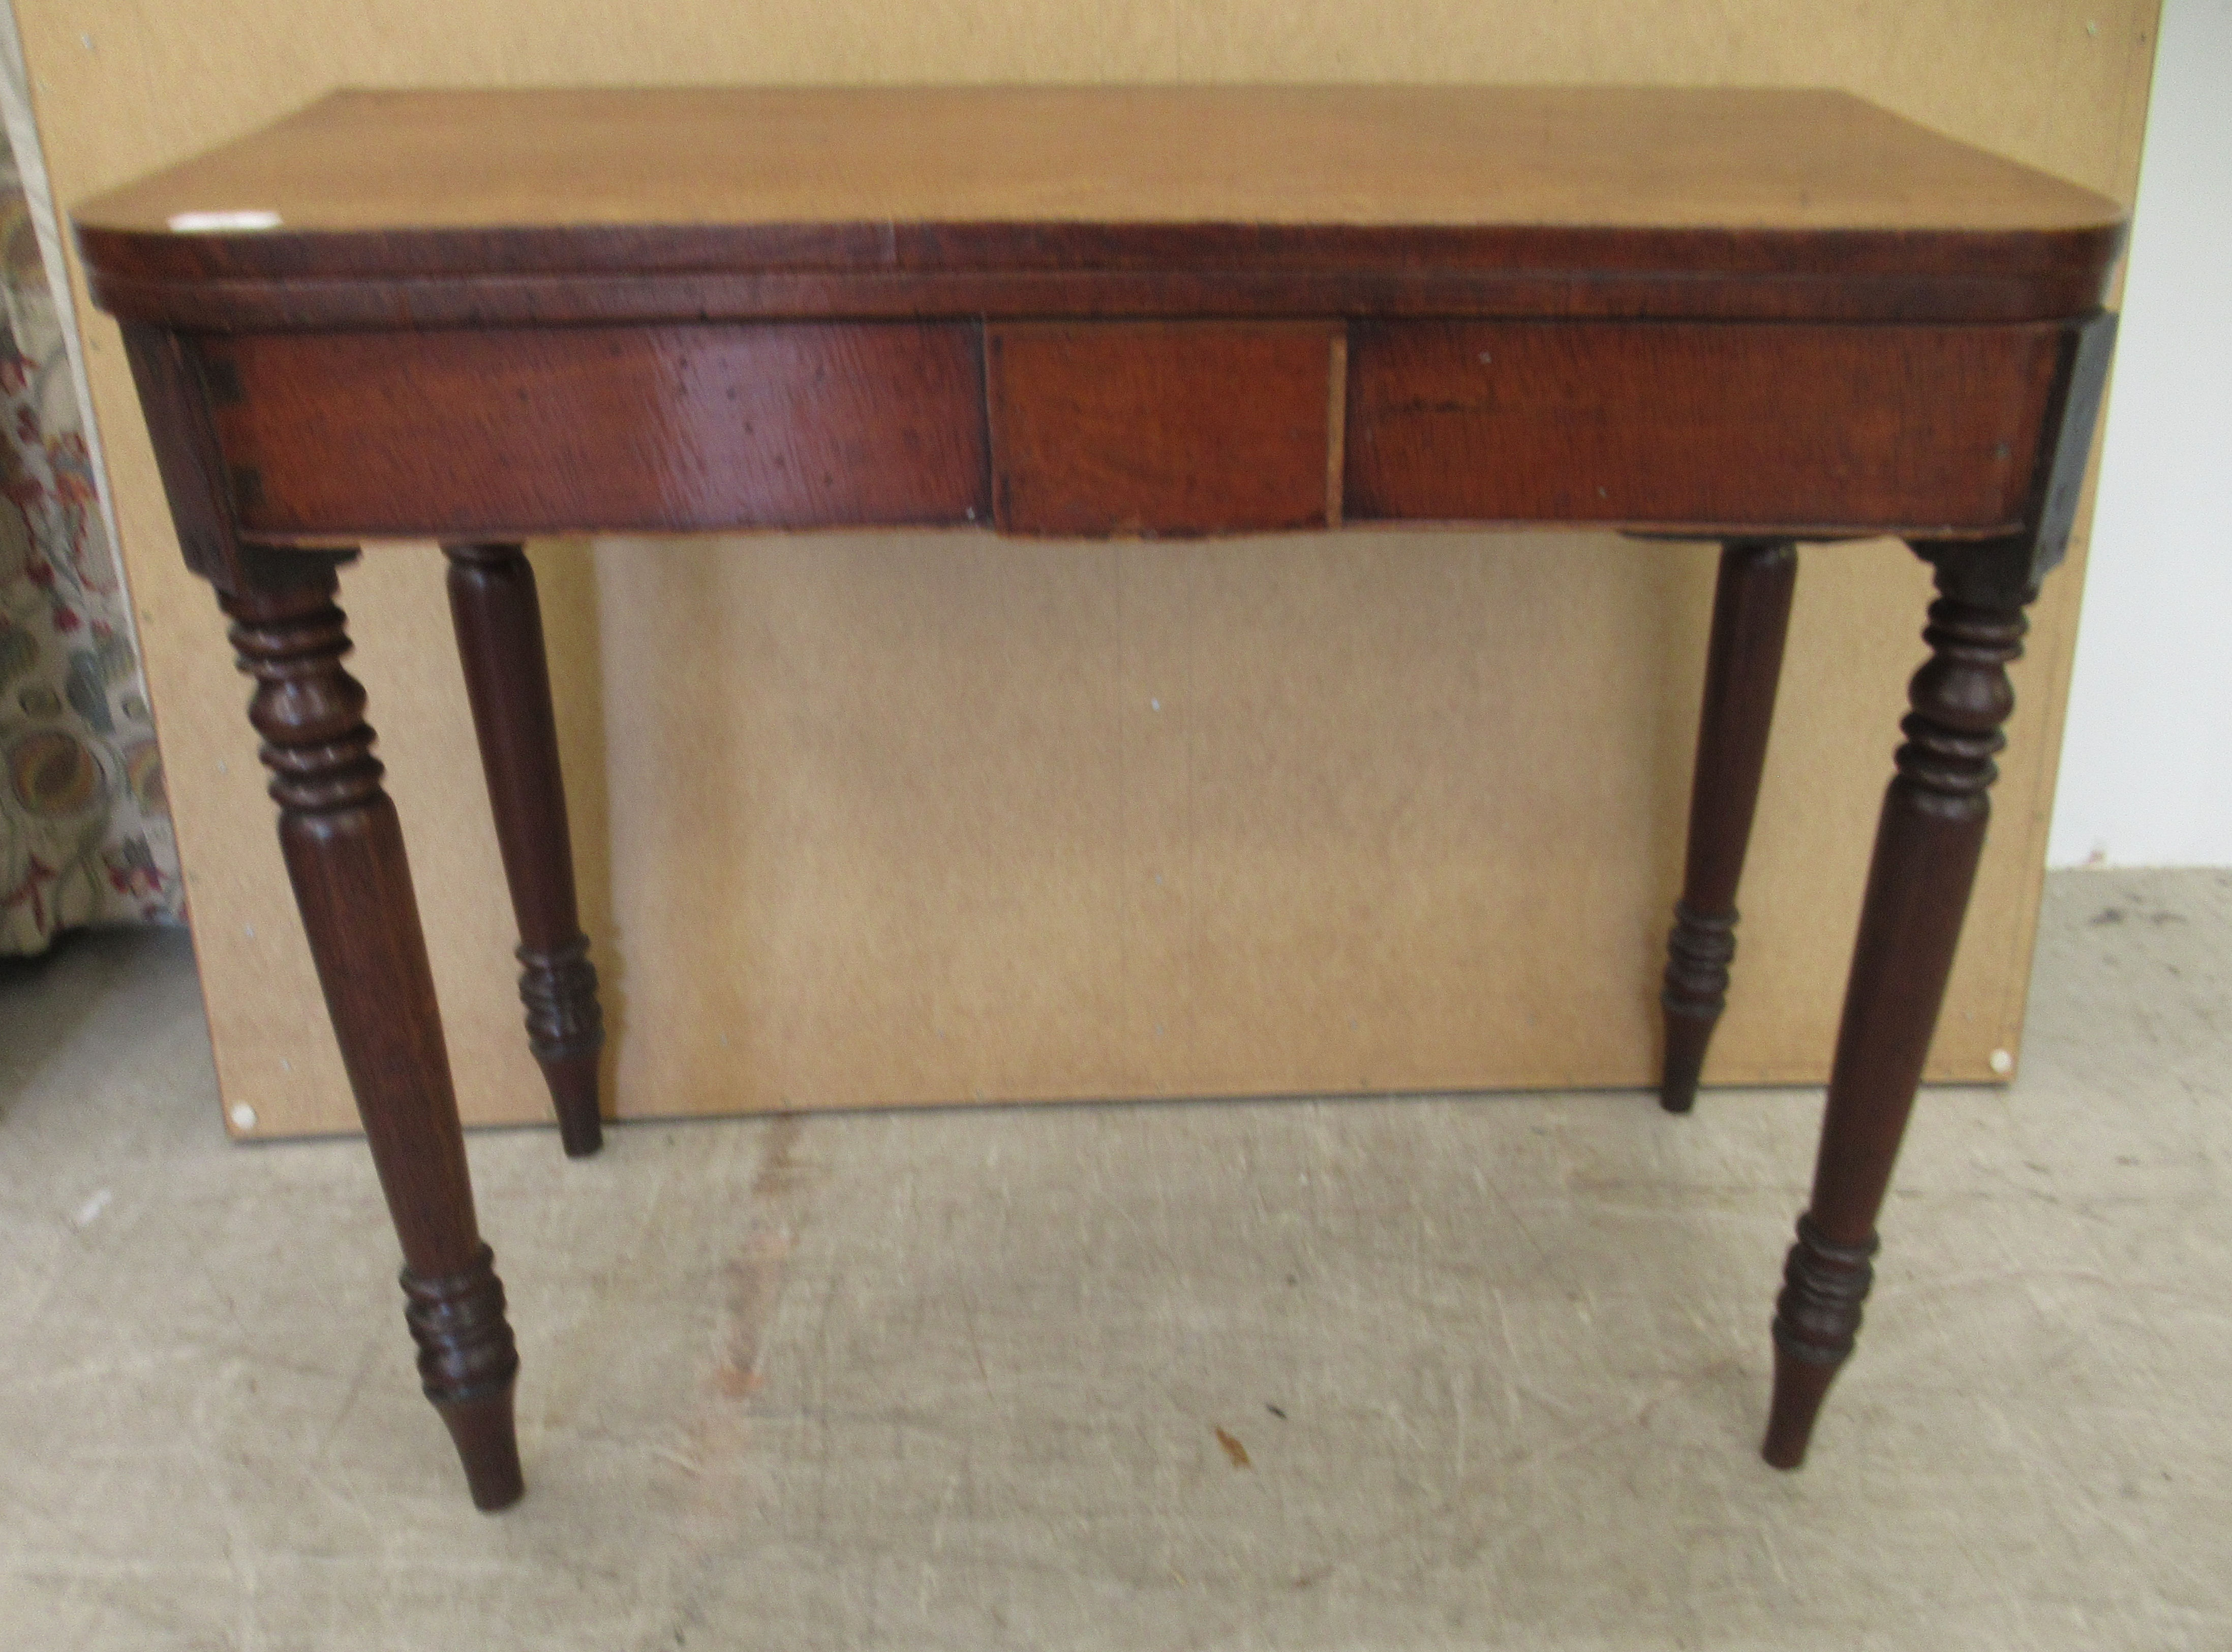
[{"x": 941, "y": 817}]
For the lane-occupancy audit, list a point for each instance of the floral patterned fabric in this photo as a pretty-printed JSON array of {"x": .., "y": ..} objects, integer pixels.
[{"x": 84, "y": 836}]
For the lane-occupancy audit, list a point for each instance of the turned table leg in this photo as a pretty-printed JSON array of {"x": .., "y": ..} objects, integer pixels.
[
  {"x": 1751, "y": 613},
  {"x": 344, "y": 852},
  {"x": 1927, "y": 843},
  {"x": 499, "y": 627}
]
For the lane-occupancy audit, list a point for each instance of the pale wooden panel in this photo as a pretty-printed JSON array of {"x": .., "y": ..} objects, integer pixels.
[
  {"x": 1287, "y": 793},
  {"x": 1637, "y": 157}
]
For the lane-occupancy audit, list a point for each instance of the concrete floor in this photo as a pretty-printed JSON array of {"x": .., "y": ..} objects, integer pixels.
[{"x": 1388, "y": 1374}]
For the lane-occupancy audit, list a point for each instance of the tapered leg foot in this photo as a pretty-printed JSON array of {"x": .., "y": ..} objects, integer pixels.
[
  {"x": 573, "y": 1085},
  {"x": 468, "y": 1363},
  {"x": 566, "y": 1032},
  {"x": 499, "y": 626},
  {"x": 1800, "y": 1385},
  {"x": 488, "y": 1445},
  {"x": 1698, "y": 952},
  {"x": 1816, "y": 1319},
  {"x": 1686, "y": 1039},
  {"x": 1751, "y": 616}
]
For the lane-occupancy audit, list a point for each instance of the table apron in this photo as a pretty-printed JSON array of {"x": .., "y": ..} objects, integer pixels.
[{"x": 1098, "y": 427}]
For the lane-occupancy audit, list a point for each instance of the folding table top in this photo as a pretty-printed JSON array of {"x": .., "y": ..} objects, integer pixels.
[{"x": 1523, "y": 200}]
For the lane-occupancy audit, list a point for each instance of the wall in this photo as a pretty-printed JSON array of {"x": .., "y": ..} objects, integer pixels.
[
  {"x": 920, "y": 818},
  {"x": 2146, "y": 775}
]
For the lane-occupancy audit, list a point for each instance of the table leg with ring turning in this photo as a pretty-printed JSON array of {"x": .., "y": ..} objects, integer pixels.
[
  {"x": 1751, "y": 614},
  {"x": 499, "y": 626},
  {"x": 1928, "y": 840},
  {"x": 344, "y": 851}
]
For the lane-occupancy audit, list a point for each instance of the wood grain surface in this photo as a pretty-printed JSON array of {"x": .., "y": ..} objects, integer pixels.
[
  {"x": 1630, "y": 157},
  {"x": 1749, "y": 427},
  {"x": 503, "y": 204},
  {"x": 1126, "y": 427},
  {"x": 514, "y": 432},
  {"x": 1163, "y": 427}
]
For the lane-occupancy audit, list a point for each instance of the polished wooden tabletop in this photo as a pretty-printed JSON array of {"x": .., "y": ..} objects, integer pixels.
[{"x": 1725, "y": 189}]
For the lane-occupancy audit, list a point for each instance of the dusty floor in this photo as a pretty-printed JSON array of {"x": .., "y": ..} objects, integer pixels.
[{"x": 1498, "y": 1365}]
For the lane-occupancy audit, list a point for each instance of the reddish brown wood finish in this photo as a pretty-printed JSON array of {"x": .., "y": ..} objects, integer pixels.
[
  {"x": 1759, "y": 316},
  {"x": 167, "y": 375},
  {"x": 1549, "y": 274},
  {"x": 1130, "y": 427},
  {"x": 1776, "y": 427},
  {"x": 405, "y": 210},
  {"x": 513, "y": 431},
  {"x": 344, "y": 852},
  {"x": 1751, "y": 614},
  {"x": 1144, "y": 427},
  {"x": 1928, "y": 840},
  {"x": 499, "y": 626},
  {"x": 1927, "y": 843}
]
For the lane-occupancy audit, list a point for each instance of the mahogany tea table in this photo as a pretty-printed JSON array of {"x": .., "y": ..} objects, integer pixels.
[{"x": 1760, "y": 317}]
